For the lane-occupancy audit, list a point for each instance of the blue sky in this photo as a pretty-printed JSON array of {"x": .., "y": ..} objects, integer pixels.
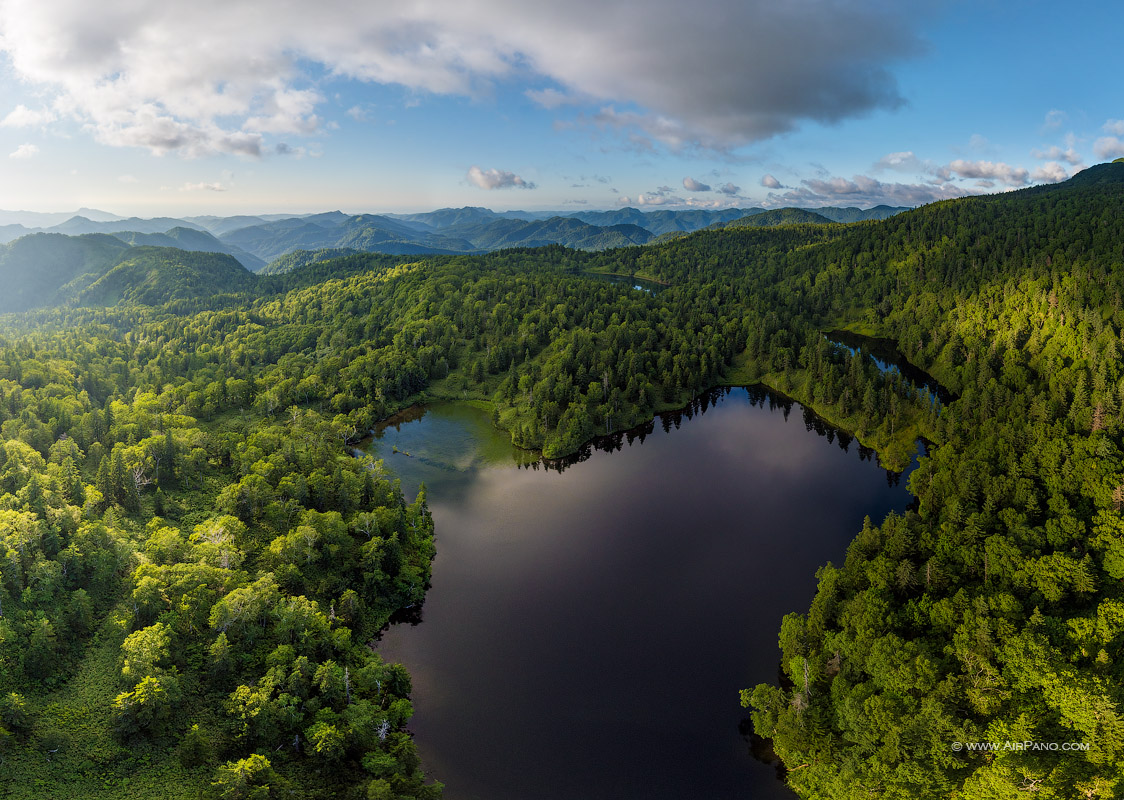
[{"x": 151, "y": 109}]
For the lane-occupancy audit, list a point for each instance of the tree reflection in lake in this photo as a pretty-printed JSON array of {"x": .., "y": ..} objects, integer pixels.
[{"x": 591, "y": 620}]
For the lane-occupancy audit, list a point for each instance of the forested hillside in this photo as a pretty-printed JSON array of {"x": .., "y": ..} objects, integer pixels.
[{"x": 193, "y": 562}]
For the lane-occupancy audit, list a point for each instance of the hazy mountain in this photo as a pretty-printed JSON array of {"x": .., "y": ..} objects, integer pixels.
[
  {"x": 328, "y": 219},
  {"x": 191, "y": 239},
  {"x": 777, "y": 216},
  {"x": 334, "y": 229},
  {"x": 272, "y": 239},
  {"x": 156, "y": 275},
  {"x": 37, "y": 220},
  {"x": 78, "y": 224},
  {"x": 13, "y": 231},
  {"x": 663, "y": 221},
  {"x": 302, "y": 258},
  {"x": 223, "y": 225},
  {"x": 666, "y": 221},
  {"x": 34, "y": 268},
  {"x": 448, "y": 218},
  {"x": 566, "y": 231},
  {"x": 852, "y": 214}
]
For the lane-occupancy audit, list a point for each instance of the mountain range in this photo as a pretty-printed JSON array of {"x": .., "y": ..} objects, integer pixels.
[{"x": 82, "y": 258}]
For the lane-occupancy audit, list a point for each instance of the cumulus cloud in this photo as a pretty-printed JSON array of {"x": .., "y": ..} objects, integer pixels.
[
  {"x": 202, "y": 187},
  {"x": 496, "y": 179},
  {"x": 939, "y": 182},
  {"x": 23, "y": 117},
  {"x": 667, "y": 196},
  {"x": 692, "y": 185},
  {"x": 1109, "y": 147},
  {"x": 990, "y": 170},
  {"x": 658, "y": 199},
  {"x": 1115, "y": 127},
  {"x": 1050, "y": 172},
  {"x": 213, "y": 76},
  {"x": 862, "y": 190},
  {"x": 24, "y": 151},
  {"x": 986, "y": 174},
  {"x": 1055, "y": 153},
  {"x": 770, "y": 182}
]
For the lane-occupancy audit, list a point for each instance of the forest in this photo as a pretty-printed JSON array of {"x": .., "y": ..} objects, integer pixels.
[{"x": 193, "y": 562}]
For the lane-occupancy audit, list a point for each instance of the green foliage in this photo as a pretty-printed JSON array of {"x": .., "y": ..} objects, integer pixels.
[
  {"x": 239, "y": 599},
  {"x": 250, "y": 778},
  {"x": 195, "y": 747},
  {"x": 157, "y": 275},
  {"x": 779, "y": 216}
]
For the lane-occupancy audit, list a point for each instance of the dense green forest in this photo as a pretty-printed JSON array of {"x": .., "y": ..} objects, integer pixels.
[{"x": 192, "y": 562}]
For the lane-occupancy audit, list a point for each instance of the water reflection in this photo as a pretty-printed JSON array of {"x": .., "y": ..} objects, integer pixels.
[
  {"x": 757, "y": 396},
  {"x": 588, "y": 629},
  {"x": 887, "y": 357}
]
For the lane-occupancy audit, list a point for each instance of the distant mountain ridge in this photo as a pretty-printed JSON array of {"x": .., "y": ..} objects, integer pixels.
[
  {"x": 779, "y": 216},
  {"x": 256, "y": 240},
  {"x": 191, "y": 239}
]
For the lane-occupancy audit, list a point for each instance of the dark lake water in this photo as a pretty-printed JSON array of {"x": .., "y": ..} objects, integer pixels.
[{"x": 589, "y": 627}]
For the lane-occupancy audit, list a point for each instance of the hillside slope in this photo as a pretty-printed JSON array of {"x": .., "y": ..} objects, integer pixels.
[
  {"x": 34, "y": 268},
  {"x": 157, "y": 275}
]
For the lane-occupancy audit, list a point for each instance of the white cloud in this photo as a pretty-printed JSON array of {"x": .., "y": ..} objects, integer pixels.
[
  {"x": 702, "y": 202},
  {"x": 23, "y": 117},
  {"x": 1115, "y": 127},
  {"x": 127, "y": 179},
  {"x": 943, "y": 182},
  {"x": 986, "y": 174},
  {"x": 903, "y": 161},
  {"x": 1108, "y": 147},
  {"x": 770, "y": 182},
  {"x": 203, "y": 187},
  {"x": 551, "y": 98},
  {"x": 692, "y": 185},
  {"x": 1054, "y": 119},
  {"x": 990, "y": 170},
  {"x": 496, "y": 179},
  {"x": 658, "y": 199},
  {"x": 862, "y": 190},
  {"x": 730, "y": 190},
  {"x": 24, "y": 151},
  {"x": 214, "y": 76},
  {"x": 1050, "y": 172},
  {"x": 1055, "y": 153},
  {"x": 287, "y": 111}
]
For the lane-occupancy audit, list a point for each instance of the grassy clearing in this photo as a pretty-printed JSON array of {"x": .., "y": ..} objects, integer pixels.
[{"x": 76, "y": 722}]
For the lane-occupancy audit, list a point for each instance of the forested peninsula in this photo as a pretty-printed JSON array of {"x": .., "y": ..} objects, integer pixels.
[{"x": 193, "y": 562}]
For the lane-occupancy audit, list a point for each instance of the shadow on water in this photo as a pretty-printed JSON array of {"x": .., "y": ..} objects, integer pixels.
[{"x": 888, "y": 357}]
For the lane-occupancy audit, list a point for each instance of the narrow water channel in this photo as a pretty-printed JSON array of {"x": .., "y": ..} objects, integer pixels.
[{"x": 590, "y": 623}]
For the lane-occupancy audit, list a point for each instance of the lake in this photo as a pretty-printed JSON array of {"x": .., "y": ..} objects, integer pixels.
[{"x": 591, "y": 621}]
